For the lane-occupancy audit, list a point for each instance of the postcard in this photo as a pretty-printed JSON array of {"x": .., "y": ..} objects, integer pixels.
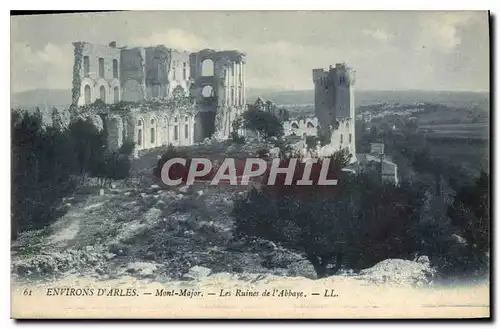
[{"x": 250, "y": 165}]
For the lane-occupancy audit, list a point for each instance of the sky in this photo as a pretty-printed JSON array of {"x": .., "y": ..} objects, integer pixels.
[{"x": 388, "y": 50}]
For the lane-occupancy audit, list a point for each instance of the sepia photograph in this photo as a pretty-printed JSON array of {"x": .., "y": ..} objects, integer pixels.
[{"x": 250, "y": 165}]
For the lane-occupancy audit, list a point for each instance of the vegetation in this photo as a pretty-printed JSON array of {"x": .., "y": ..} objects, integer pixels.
[
  {"x": 470, "y": 213},
  {"x": 363, "y": 220},
  {"x": 356, "y": 223},
  {"x": 49, "y": 164},
  {"x": 264, "y": 123}
]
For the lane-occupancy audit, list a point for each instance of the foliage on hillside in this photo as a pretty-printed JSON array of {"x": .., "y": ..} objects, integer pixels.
[
  {"x": 263, "y": 122},
  {"x": 49, "y": 163}
]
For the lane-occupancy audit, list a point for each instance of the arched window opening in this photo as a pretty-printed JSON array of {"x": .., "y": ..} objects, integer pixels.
[
  {"x": 102, "y": 94},
  {"x": 139, "y": 137},
  {"x": 208, "y": 91},
  {"x": 207, "y": 68},
  {"x": 310, "y": 125},
  {"x": 116, "y": 95},
  {"x": 87, "y": 94},
  {"x": 153, "y": 131},
  {"x": 140, "y": 132},
  {"x": 295, "y": 125}
]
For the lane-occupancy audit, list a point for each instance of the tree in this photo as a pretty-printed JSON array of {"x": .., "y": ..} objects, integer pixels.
[
  {"x": 263, "y": 122},
  {"x": 470, "y": 212},
  {"x": 43, "y": 162},
  {"x": 358, "y": 222},
  {"x": 49, "y": 164}
]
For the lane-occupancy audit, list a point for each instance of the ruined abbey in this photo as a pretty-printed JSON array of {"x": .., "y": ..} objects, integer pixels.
[
  {"x": 157, "y": 96},
  {"x": 146, "y": 89}
]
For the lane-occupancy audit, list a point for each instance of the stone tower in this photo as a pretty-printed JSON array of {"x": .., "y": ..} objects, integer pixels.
[{"x": 334, "y": 108}]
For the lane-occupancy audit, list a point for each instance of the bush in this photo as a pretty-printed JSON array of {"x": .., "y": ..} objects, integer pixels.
[
  {"x": 46, "y": 164},
  {"x": 236, "y": 138},
  {"x": 112, "y": 166},
  {"x": 49, "y": 164},
  {"x": 127, "y": 147},
  {"x": 469, "y": 212},
  {"x": 263, "y": 122},
  {"x": 358, "y": 222},
  {"x": 357, "y": 225},
  {"x": 285, "y": 148}
]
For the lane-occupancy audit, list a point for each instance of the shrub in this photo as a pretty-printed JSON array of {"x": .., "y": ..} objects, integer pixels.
[
  {"x": 236, "y": 138},
  {"x": 45, "y": 162},
  {"x": 357, "y": 223},
  {"x": 285, "y": 148},
  {"x": 50, "y": 164},
  {"x": 127, "y": 147},
  {"x": 263, "y": 122}
]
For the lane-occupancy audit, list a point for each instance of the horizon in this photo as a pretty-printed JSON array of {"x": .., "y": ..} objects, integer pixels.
[
  {"x": 312, "y": 89},
  {"x": 389, "y": 50}
]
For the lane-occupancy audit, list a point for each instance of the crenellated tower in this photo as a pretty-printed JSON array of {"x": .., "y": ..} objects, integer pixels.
[{"x": 334, "y": 107}]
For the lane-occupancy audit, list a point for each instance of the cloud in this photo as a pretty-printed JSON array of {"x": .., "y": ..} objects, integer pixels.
[
  {"x": 421, "y": 50},
  {"x": 49, "y": 67},
  {"x": 174, "y": 38},
  {"x": 442, "y": 30}
]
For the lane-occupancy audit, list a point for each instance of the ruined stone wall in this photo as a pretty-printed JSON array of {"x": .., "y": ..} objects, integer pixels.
[
  {"x": 219, "y": 87},
  {"x": 115, "y": 132},
  {"x": 343, "y": 136},
  {"x": 157, "y": 68},
  {"x": 90, "y": 82},
  {"x": 133, "y": 74},
  {"x": 157, "y": 127},
  {"x": 180, "y": 71},
  {"x": 301, "y": 127},
  {"x": 141, "y": 74}
]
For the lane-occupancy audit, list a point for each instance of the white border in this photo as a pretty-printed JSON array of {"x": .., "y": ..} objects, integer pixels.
[{"x": 184, "y": 5}]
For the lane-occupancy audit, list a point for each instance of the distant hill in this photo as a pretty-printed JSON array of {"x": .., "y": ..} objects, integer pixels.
[
  {"x": 43, "y": 98},
  {"x": 61, "y": 98},
  {"x": 368, "y": 97}
]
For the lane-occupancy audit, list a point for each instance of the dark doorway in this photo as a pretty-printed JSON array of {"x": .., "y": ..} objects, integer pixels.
[{"x": 204, "y": 125}]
